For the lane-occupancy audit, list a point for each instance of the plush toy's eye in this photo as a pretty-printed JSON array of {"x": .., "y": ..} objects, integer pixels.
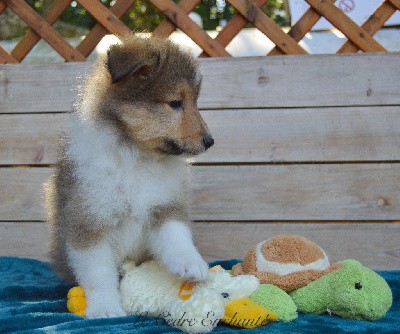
[
  {"x": 176, "y": 104},
  {"x": 358, "y": 286},
  {"x": 225, "y": 294}
]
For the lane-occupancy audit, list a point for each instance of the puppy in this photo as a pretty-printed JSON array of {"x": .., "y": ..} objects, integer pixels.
[{"x": 120, "y": 187}]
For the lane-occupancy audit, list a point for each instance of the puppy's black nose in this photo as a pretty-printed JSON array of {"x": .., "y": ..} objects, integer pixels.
[{"x": 208, "y": 141}]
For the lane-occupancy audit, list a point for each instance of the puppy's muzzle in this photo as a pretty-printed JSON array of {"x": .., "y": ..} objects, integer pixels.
[{"x": 208, "y": 141}]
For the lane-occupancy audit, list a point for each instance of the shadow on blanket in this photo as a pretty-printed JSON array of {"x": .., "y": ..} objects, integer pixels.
[{"x": 33, "y": 300}]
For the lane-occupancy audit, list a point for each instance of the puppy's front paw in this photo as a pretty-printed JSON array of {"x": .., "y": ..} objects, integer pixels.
[
  {"x": 188, "y": 267},
  {"x": 104, "y": 308}
]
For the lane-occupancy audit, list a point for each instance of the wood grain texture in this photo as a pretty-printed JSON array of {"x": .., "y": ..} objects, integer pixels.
[
  {"x": 301, "y": 27},
  {"x": 270, "y": 82},
  {"x": 24, "y": 240},
  {"x": 351, "y": 134},
  {"x": 394, "y": 3},
  {"x": 6, "y": 58},
  {"x": 181, "y": 20},
  {"x": 235, "y": 24},
  {"x": 258, "y": 192},
  {"x": 268, "y": 27},
  {"x": 375, "y": 22},
  {"x": 40, "y": 88},
  {"x": 166, "y": 27},
  {"x": 295, "y": 81},
  {"x": 30, "y": 39},
  {"x": 22, "y": 195},
  {"x": 348, "y": 27},
  {"x": 30, "y": 139},
  {"x": 44, "y": 30},
  {"x": 303, "y": 135},
  {"x": 296, "y": 192},
  {"x": 374, "y": 245},
  {"x": 95, "y": 35},
  {"x": 105, "y": 17},
  {"x": 3, "y": 7}
]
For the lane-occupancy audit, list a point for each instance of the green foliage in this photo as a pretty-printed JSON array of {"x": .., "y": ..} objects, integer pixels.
[
  {"x": 213, "y": 11},
  {"x": 275, "y": 9},
  {"x": 77, "y": 15},
  {"x": 11, "y": 25},
  {"x": 143, "y": 16},
  {"x": 38, "y": 5}
]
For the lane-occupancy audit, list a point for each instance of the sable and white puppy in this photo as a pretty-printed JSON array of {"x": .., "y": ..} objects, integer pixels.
[{"x": 119, "y": 191}]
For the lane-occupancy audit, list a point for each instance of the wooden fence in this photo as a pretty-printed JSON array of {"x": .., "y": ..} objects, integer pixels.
[
  {"x": 298, "y": 150},
  {"x": 305, "y": 144},
  {"x": 176, "y": 16}
]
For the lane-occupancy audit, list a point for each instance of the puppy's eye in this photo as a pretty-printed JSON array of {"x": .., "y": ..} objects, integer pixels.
[{"x": 176, "y": 104}]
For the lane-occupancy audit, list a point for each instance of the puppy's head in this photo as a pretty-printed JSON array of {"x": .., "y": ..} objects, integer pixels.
[{"x": 151, "y": 97}]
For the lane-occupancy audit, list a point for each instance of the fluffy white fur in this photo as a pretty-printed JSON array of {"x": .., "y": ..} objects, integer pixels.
[
  {"x": 119, "y": 191},
  {"x": 115, "y": 178},
  {"x": 152, "y": 291}
]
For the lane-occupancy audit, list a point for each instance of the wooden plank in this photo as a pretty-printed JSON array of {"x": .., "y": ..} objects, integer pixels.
[
  {"x": 105, "y": 17},
  {"x": 98, "y": 32},
  {"x": 297, "y": 192},
  {"x": 44, "y": 29},
  {"x": 30, "y": 139},
  {"x": 39, "y": 88},
  {"x": 250, "y": 192},
  {"x": 166, "y": 27},
  {"x": 6, "y": 58},
  {"x": 24, "y": 240},
  {"x": 270, "y": 82},
  {"x": 235, "y": 24},
  {"x": 375, "y": 22},
  {"x": 21, "y": 196},
  {"x": 352, "y": 134},
  {"x": 303, "y": 135},
  {"x": 374, "y": 245},
  {"x": 394, "y": 3},
  {"x": 268, "y": 27},
  {"x": 348, "y": 27},
  {"x": 30, "y": 39},
  {"x": 301, "y": 27},
  {"x": 293, "y": 81},
  {"x": 179, "y": 18},
  {"x": 3, "y": 7}
]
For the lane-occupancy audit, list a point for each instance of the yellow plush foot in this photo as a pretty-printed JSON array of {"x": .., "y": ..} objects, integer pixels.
[
  {"x": 76, "y": 301},
  {"x": 246, "y": 314}
]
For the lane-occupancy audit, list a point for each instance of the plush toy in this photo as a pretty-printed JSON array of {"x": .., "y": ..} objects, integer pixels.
[
  {"x": 288, "y": 262},
  {"x": 150, "y": 290},
  {"x": 353, "y": 291},
  {"x": 273, "y": 298},
  {"x": 301, "y": 268}
]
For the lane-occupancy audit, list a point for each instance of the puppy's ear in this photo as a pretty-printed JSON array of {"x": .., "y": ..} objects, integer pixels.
[{"x": 121, "y": 63}]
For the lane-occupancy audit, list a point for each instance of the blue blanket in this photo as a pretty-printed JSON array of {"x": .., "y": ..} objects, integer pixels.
[{"x": 33, "y": 300}]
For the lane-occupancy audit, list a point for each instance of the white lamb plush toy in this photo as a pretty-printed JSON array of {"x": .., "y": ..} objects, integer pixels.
[{"x": 151, "y": 290}]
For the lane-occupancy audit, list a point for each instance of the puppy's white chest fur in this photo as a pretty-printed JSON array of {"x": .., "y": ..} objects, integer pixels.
[
  {"x": 120, "y": 184},
  {"x": 119, "y": 190}
]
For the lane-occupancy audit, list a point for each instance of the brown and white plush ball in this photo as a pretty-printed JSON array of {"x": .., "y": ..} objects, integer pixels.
[{"x": 287, "y": 261}]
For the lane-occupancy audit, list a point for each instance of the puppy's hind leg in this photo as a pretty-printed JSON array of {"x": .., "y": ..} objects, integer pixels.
[
  {"x": 97, "y": 273},
  {"x": 172, "y": 244}
]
